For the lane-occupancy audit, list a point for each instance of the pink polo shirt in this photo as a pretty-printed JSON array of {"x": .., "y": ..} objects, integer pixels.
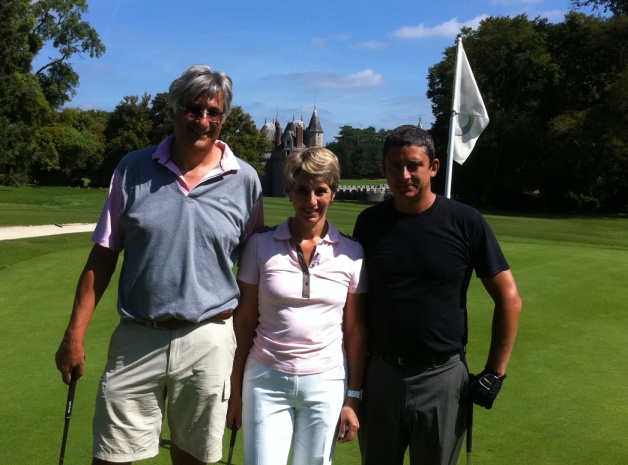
[{"x": 300, "y": 335}]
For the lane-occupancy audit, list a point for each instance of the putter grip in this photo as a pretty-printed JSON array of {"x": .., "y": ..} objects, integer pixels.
[
  {"x": 71, "y": 391},
  {"x": 68, "y": 415},
  {"x": 234, "y": 430}
]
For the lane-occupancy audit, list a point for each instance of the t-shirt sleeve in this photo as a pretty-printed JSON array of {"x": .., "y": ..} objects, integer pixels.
[{"x": 488, "y": 259}]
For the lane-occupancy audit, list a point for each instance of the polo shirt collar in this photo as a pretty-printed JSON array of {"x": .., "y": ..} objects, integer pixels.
[
  {"x": 282, "y": 233},
  {"x": 228, "y": 162}
]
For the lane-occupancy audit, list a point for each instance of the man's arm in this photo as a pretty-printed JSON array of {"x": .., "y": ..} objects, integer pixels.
[
  {"x": 94, "y": 279},
  {"x": 503, "y": 290}
]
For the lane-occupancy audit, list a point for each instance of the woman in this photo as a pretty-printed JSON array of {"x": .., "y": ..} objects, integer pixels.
[{"x": 299, "y": 319}]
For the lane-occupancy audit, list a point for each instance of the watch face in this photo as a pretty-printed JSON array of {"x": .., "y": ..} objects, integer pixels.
[{"x": 356, "y": 394}]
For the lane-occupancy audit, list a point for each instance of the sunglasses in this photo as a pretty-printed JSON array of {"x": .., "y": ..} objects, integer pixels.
[{"x": 199, "y": 113}]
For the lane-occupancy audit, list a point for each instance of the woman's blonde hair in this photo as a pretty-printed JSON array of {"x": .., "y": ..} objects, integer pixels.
[{"x": 318, "y": 163}]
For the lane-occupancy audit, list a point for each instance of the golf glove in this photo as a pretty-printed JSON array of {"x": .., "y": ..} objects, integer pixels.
[{"x": 485, "y": 387}]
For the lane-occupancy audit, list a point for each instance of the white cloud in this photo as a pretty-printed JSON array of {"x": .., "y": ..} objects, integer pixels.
[
  {"x": 360, "y": 80},
  {"x": 321, "y": 42},
  {"x": 365, "y": 79},
  {"x": 447, "y": 29},
  {"x": 318, "y": 43},
  {"x": 340, "y": 36},
  {"x": 371, "y": 45}
]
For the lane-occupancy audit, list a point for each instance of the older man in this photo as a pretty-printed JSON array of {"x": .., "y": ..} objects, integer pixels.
[{"x": 180, "y": 211}]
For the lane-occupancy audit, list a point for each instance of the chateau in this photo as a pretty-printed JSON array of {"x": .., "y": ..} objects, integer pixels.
[
  {"x": 297, "y": 137},
  {"x": 294, "y": 138}
]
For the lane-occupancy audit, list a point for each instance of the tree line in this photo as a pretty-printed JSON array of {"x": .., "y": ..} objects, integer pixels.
[
  {"x": 556, "y": 94},
  {"x": 46, "y": 144},
  {"x": 557, "y": 98}
]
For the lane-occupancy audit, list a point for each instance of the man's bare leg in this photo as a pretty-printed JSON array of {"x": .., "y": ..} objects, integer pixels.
[{"x": 180, "y": 457}]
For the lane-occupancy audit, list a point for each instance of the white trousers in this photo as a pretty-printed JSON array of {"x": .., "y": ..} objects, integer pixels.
[{"x": 280, "y": 410}]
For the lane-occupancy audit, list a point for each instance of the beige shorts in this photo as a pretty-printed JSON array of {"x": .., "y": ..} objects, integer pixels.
[{"x": 188, "y": 368}]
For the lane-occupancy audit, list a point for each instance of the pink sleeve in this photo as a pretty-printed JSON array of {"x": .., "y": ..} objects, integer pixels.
[
  {"x": 256, "y": 222},
  {"x": 248, "y": 269},
  {"x": 108, "y": 232}
]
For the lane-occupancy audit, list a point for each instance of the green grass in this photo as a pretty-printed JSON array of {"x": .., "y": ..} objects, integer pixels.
[
  {"x": 565, "y": 400},
  {"x": 49, "y": 205}
]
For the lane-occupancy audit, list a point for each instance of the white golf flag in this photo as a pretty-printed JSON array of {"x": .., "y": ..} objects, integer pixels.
[{"x": 470, "y": 113}]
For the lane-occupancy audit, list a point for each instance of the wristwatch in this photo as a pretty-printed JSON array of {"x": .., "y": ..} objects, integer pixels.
[{"x": 355, "y": 394}]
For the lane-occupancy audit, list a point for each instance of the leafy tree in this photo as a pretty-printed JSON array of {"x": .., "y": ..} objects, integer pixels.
[
  {"x": 359, "y": 151},
  {"x": 129, "y": 128},
  {"x": 16, "y": 22},
  {"x": 602, "y": 151},
  {"x": 617, "y": 7},
  {"x": 22, "y": 108},
  {"x": 27, "y": 97},
  {"x": 71, "y": 148},
  {"x": 22, "y": 104},
  {"x": 541, "y": 84},
  {"x": 608, "y": 140},
  {"x": 162, "y": 125},
  {"x": 241, "y": 134},
  {"x": 59, "y": 23},
  {"x": 514, "y": 72},
  {"x": 590, "y": 52}
]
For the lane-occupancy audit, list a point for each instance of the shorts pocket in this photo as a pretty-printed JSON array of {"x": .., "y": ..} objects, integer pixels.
[{"x": 226, "y": 390}]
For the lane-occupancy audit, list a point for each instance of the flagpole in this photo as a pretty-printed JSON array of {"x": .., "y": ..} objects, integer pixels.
[{"x": 452, "y": 121}]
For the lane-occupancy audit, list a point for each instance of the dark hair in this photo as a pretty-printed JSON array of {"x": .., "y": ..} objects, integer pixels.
[{"x": 410, "y": 135}]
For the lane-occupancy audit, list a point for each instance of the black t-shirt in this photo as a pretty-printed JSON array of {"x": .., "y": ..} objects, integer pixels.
[{"x": 419, "y": 268}]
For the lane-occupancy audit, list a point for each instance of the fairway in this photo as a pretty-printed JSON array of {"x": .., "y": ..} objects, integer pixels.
[{"x": 565, "y": 400}]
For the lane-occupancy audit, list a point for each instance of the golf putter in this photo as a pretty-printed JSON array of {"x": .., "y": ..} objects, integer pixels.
[
  {"x": 68, "y": 415},
  {"x": 469, "y": 431},
  {"x": 234, "y": 432}
]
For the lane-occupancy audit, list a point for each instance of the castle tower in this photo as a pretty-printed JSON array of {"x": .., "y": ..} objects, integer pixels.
[
  {"x": 314, "y": 133},
  {"x": 277, "y": 132},
  {"x": 295, "y": 137}
]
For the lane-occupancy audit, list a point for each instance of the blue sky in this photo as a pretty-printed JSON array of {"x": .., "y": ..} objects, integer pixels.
[{"x": 361, "y": 63}]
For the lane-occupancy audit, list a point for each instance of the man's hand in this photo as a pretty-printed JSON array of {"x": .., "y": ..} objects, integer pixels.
[
  {"x": 485, "y": 387},
  {"x": 70, "y": 357},
  {"x": 349, "y": 423},
  {"x": 234, "y": 411}
]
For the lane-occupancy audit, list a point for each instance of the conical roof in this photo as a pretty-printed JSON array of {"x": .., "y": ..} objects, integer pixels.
[{"x": 315, "y": 123}]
